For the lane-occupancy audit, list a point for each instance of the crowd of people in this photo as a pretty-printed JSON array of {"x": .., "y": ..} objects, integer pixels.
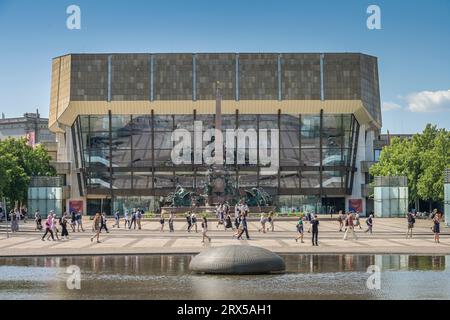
[{"x": 57, "y": 228}]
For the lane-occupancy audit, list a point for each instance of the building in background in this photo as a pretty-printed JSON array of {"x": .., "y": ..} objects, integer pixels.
[
  {"x": 113, "y": 115},
  {"x": 30, "y": 126}
]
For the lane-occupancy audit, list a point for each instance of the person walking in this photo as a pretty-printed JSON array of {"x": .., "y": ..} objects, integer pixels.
[
  {"x": 14, "y": 221},
  {"x": 126, "y": 219},
  {"x": 350, "y": 227},
  {"x": 73, "y": 220},
  {"x": 63, "y": 223},
  {"x": 244, "y": 220},
  {"x": 270, "y": 219},
  {"x": 228, "y": 222},
  {"x": 411, "y": 221},
  {"x": 340, "y": 219},
  {"x": 237, "y": 216},
  {"x": 369, "y": 223},
  {"x": 300, "y": 229},
  {"x": 96, "y": 227},
  {"x": 194, "y": 222},
  {"x": 239, "y": 229},
  {"x": 54, "y": 226},
  {"x": 437, "y": 226},
  {"x": 161, "y": 221},
  {"x": 171, "y": 218},
  {"x": 315, "y": 230},
  {"x": 309, "y": 218},
  {"x": 357, "y": 220},
  {"x": 189, "y": 221},
  {"x": 48, "y": 228},
  {"x": 80, "y": 221},
  {"x": 262, "y": 221},
  {"x": 38, "y": 220},
  {"x": 139, "y": 216},
  {"x": 205, "y": 230},
  {"x": 133, "y": 218},
  {"x": 117, "y": 219},
  {"x": 103, "y": 221}
]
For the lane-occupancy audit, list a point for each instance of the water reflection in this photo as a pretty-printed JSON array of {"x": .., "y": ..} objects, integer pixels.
[{"x": 168, "y": 277}]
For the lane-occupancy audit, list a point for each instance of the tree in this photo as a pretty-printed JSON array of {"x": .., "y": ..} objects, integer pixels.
[
  {"x": 421, "y": 159},
  {"x": 18, "y": 163}
]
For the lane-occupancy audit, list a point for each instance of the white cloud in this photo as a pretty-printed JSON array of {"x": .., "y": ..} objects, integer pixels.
[
  {"x": 429, "y": 101},
  {"x": 389, "y": 106}
]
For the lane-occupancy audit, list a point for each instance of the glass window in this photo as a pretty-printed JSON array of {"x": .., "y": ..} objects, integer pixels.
[
  {"x": 289, "y": 157},
  {"x": 310, "y": 123},
  {"x": 289, "y": 139},
  {"x": 377, "y": 154},
  {"x": 99, "y": 123},
  {"x": 163, "y": 123},
  {"x": 164, "y": 180},
  {"x": 332, "y": 179},
  {"x": 268, "y": 121},
  {"x": 310, "y": 179},
  {"x": 310, "y": 157},
  {"x": 142, "y": 180},
  {"x": 289, "y": 179},
  {"x": 332, "y": 157},
  {"x": 290, "y": 122}
]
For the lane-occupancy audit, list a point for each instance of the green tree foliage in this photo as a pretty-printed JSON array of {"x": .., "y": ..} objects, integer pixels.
[
  {"x": 421, "y": 159},
  {"x": 18, "y": 162}
]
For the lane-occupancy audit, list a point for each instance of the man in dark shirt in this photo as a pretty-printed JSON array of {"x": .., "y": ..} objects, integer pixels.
[{"x": 315, "y": 230}]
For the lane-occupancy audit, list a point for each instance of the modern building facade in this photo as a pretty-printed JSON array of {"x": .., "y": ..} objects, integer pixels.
[{"x": 114, "y": 114}]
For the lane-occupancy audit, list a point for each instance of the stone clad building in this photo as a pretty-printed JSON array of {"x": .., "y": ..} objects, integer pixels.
[{"x": 113, "y": 115}]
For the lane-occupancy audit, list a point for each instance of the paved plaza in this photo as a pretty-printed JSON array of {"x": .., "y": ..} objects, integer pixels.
[{"x": 388, "y": 237}]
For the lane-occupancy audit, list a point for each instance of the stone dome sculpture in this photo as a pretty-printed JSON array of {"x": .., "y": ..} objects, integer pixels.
[{"x": 237, "y": 259}]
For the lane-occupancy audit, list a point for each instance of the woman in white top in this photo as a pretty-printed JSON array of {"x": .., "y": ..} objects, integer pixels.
[
  {"x": 126, "y": 218},
  {"x": 263, "y": 223}
]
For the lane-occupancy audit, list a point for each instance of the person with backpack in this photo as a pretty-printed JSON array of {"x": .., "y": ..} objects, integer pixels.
[
  {"x": 271, "y": 221},
  {"x": 117, "y": 219},
  {"x": 262, "y": 221},
  {"x": 171, "y": 219},
  {"x": 139, "y": 216},
  {"x": 411, "y": 221},
  {"x": 38, "y": 220},
  {"x": 194, "y": 222},
  {"x": 205, "y": 230},
  {"x": 96, "y": 227},
  {"x": 48, "y": 228},
  {"x": 300, "y": 229},
  {"x": 350, "y": 228},
  {"x": 189, "y": 221},
  {"x": 315, "y": 230},
  {"x": 340, "y": 219},
  {"x": 126, "y": 219},
  {"x": 161, "y": 221},
  {"x": 103, "y": 221},
  {"x": 73, "y": 220},
  {"x": 357, "y": 220},
  {"x": 437, "y": 226},
  {"x": 63, "y": 223},
  {"x": 228, "y": 222},
  {"x": 133, "y": 218},
  {"x": 369, "y": 223},
  {"x": 80, "y": 221}
]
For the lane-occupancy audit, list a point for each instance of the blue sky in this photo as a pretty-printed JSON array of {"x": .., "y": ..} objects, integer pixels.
[{"x": 413, "y": 45}]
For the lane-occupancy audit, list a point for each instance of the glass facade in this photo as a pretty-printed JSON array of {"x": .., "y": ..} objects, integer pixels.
[{"x": 123, "y": 156}]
